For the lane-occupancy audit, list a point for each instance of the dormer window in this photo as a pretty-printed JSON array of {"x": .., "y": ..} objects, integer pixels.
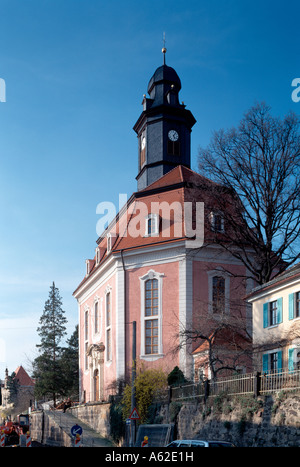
[
  {"x": 217, "y": 222},
  {"x": 97, "y": 255},
  {"x": 108, "y": 243},
  {"x": 151, "y": 225},
  {"x": 87, "y": 263}
]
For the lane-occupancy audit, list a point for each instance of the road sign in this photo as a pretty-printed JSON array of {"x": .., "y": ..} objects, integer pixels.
[
  {"x": 76, "y": 430},
  {"x": 134, "y": 415},
  {"x": 128, "y": 421}
]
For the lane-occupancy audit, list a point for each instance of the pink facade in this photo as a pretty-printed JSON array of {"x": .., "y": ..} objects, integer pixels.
[{"x": 163, "y": 284}]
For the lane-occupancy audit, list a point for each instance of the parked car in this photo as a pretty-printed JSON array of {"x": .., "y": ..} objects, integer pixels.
[{"x": 199, "y": 443}]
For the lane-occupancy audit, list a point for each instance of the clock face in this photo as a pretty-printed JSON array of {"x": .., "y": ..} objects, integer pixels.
[
  {"x": 143, "y": 142},
  {"x": 173, "y": 135}
]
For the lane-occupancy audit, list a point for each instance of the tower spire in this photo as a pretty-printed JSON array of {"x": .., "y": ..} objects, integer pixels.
[{"x": 164, "y": 50}]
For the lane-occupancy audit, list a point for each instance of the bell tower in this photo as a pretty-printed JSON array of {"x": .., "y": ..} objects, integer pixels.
[{"x": 163, "y": 128}]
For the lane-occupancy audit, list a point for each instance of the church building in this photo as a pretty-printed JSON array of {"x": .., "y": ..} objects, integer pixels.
[{"x": 157, "y": 264}]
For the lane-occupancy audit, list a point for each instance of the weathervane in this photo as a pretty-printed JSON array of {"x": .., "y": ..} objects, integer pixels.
[{"x": 164, "y": 50}]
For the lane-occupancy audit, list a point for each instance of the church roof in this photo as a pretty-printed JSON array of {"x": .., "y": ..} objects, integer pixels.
[
  {"x": 179, "y": 175},
  {"x": 177, "y": 186},
  {"x": 164, "y": 74}
]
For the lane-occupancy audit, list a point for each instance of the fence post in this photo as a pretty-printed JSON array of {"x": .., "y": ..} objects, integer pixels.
[
  {"x": 206, "y": 390},
  {"x": 257, "y": 384}
]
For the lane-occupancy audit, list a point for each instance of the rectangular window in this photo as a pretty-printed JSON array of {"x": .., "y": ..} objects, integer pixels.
[
  {"x": 151, "y": 333},
  {"x": 152, "y": 225},
  {"x": 173, "y": 148},
  {"x": 151, "y": 298},
  {"x": 274, "y": 361},
  {"x": 108, "y": 344},
  {"x": 108, "y": 311},
  {"x": 218, "y": 294},
  {"x": 86, "y": 325},
  {"x": 217, "y": 222},
  {"x": 96, "y": 311},
  {"x": 273, "y": 313},
  {"x": 297, "y": 307},
  {"x": 86, "y": 358},
  {"x": 86, "y": 339},
  {"x": 108, "y": 327}
]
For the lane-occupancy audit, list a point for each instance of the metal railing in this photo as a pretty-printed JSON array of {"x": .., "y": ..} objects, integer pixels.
[
  {"x": 279, "y": 381},
  {"x": 243, "y": 384}
]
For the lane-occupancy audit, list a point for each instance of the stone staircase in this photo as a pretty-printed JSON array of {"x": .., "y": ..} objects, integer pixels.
[{"x": 65, "y": 421}]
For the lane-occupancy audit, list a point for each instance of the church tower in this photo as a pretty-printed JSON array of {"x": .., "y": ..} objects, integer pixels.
[{"x": 163, "y": 128}]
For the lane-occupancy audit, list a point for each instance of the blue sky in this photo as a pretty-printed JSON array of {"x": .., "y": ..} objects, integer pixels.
[{"x": 75, "y": 73}]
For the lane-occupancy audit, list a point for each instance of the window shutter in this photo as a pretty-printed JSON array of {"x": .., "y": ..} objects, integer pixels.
[
  {"x": 279, "y": 358},
  {"x": 265, "y": 317},
  {"x": 291, "y": 306},
  {"x": 291, "y": 359},
  {"x": 279, "y": 310},
  {"x": 265, "y": 367}
]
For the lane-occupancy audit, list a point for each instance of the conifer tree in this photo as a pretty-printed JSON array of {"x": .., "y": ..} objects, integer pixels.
[
  {"x": 47, "y": 366},
  {"x": 70, "y": 367}
]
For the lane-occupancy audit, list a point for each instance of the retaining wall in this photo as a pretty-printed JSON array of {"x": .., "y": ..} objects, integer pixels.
[{"x": 270, "y": 421}]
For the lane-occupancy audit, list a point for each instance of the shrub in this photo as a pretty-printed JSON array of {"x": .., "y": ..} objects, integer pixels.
[{"x": 146, "y": 384}]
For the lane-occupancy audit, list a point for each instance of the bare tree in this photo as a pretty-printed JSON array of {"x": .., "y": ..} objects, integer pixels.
[
  {"x": 222, "y": 336},
  {"x": 256, "y": 168}
]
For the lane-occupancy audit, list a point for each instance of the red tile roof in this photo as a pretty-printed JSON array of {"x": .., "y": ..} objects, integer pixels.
[
  {"x": 23, "y": 377},
  {"x": 179, "y": 185}
]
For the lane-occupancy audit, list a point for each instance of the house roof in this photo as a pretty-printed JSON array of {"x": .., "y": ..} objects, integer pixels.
[
  {"x": 283, "y": 278},
  {"x": 23, "y": 377}
]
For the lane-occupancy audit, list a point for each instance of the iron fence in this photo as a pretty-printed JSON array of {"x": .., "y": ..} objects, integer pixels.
[
  {"x": 237, "y": 384},
  {"x": 242, "y": 384},
  {"x": 279, "y": 381}
]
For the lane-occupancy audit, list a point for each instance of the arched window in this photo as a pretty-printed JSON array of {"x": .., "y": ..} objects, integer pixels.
[
  {"x": 151, "y": 313},
  {"x": 218, "y": 294},
  {"x": 151, "y": 316}
]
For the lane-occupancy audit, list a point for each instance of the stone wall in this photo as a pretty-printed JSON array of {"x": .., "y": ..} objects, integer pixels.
[
  {"x": 95, "y": 415},
  {"x": 45, "y": 430},
  {"x": 270, "y": 421},
  {"x": 246, "y": 421}
]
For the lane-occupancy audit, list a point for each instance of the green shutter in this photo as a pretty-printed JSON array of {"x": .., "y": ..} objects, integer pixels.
[
  {"x": 265, "y": 366},
  {"x": 291, "y": 306},
  {"x": 279, "y": 310},
  {"x": 291, "y": 359},
  {"x": 279, "y": 360},
  {"x": 265, "y": 317}
]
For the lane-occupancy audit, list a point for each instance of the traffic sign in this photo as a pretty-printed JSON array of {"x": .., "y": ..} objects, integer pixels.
[
  {"x": 76, "y": 430},
  {"x": 134, "y": 415}
]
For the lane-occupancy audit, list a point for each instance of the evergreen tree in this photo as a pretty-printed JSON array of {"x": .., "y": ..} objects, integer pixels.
[
  {"x": 47, "y": 366},
  {"x": 70, "y": 367}
]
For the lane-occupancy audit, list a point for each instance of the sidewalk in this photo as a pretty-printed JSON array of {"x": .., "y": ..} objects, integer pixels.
[{"x": 89, "y": 437}]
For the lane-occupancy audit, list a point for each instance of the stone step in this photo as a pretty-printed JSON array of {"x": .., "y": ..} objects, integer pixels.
[{"x": 89, "y": 437}]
